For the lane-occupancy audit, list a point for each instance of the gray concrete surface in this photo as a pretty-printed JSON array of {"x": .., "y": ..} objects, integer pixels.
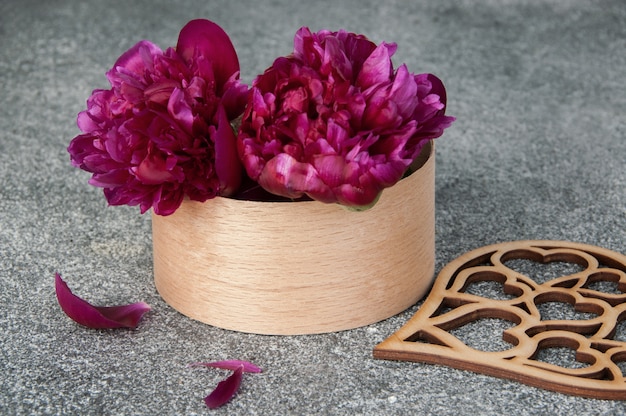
[{"x": 538, "y": 151}]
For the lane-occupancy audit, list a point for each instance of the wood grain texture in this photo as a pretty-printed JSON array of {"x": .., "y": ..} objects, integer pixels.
[
  {"x": 290, "y": 268},
  {"x": 427, "y": 336}
]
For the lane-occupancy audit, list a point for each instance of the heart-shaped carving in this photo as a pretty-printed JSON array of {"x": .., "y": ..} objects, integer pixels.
[
  {"x": 532, "y": 311},
  {"x": 605, "y": 287},
  {"x": 474, "y": 334},
  {"x": 489, "y": 289},
  {"x": 555, "y": 311},
  {"x": 544, "y": 271},
  {"x": 620, "y": 332},
  {"x": 559, "y": 356}
]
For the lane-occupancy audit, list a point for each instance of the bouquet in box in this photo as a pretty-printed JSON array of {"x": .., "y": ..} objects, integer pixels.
[{"x": 334, "y": 121}]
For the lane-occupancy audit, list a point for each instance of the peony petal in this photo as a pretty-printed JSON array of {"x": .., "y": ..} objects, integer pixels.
[
  {"x": 246, "y": 366},
  {"x": 358, "y": 48},
  {"x": 136, "y": 60},
  {"x": 335, "y": 58},
  {"x": 285, "y": 176},
  {"x": 227, "y": 164},
  {"x": 377, "y": 68},
  {"x": 437, "y": 88},
  {"x": 234, "y": 99},
  {"x": 360, "y": 197},
  {"x": 225, "y": 390},
  {"x": 334, "y": 170},
  {"x": 97, "y": 317},
  {"x": 178, "y": 107},
  {"x": 404, "y": 91},
  {"x": 205, "y": 38},
  {"x": 303, "y": 35},
  {"x": 153, "y": 170},
  {"x": 165, "y": 203}
]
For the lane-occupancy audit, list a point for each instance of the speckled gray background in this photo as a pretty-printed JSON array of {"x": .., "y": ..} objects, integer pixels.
[{"x": 538, "y": 152}]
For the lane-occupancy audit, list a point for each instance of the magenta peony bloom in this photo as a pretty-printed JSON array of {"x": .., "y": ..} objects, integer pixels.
[
  {"x": 163, "y": 129},
  {"x": 336, "y": 122}
]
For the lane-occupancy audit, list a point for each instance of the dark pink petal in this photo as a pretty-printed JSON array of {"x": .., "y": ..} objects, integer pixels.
[
  {"x": 334, "y": 170},
  {"x": 178, "y": 107},
  {"x": 97, "y": 317},
  {"x": 204, "y": 38},
  {"x": 437, "y": 88},
  {"x": 358, "y": 48},
  {"x": 234, "y": 99},
  {"x": 283, "y": 175},
  {"x": 165, "y": 203},
  {"x": 225, "y": 390},
  {"x": 376, "y": 69},
  {"x": 246, "y": 366},
  {"x": 153, "y": 170},
  {"x": 160, "y": 92},
  {"x": 358, "y": 198},
  {"x": 300, "y": 42},
  {"x": 404, "y": 91},
  {"x": 109, "y": 179},
  {"x": 334, "y": 58},
  {"x": 228, "y": 167},
  {"x": 136, "y": 60}
]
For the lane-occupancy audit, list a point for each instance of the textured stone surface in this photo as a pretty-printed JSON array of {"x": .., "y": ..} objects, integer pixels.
[{"x": 538, "y": 152}]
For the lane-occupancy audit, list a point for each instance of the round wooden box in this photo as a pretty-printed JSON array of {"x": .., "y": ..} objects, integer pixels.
[{"x": 288, "y": 268}]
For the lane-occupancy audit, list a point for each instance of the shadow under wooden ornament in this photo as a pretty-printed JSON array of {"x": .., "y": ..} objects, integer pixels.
[
  {"x": 594, "y": 334},
  {"x": 288, "y": 268}
]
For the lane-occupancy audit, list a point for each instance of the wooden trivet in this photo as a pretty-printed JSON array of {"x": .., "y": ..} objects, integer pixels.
[{"x": 427, "y": 336}]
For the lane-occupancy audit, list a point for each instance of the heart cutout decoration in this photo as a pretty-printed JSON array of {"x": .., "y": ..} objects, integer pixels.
[
  {"x": 541, "y": 271},
  {"x": 586, "y": 328}
]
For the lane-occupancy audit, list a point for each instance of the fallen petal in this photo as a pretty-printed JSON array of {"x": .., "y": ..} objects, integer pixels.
[
  {"x": 97, "y": 317},
  {"x": 225, "y": 390},
  {"x": 246, "y": 367}
]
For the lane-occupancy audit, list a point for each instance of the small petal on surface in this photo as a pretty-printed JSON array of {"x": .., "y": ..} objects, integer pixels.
[
  {"x": 225, "y": 390},
  {"x": 97, "y": 317},
  {"x": 246, "y": 366}
]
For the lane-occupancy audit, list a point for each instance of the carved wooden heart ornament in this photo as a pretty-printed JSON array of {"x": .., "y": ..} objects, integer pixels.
[{"x": 595, "y": 290}]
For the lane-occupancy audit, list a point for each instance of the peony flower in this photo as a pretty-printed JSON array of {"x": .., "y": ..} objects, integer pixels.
[
  {"x": 335, "y": 121},
  {"x": 162, "y": 132}
]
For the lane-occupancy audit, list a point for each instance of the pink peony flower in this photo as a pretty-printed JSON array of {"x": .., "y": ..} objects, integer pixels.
[
  {"x": 335, "y": 120},
  {"x": 163, "y": 129}
]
